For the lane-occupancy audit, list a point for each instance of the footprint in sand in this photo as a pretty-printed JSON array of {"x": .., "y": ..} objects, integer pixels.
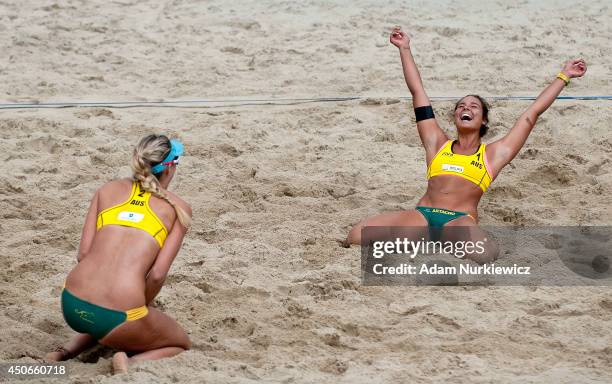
[
  {"x": 508, "y": 215},
  {"x": 42, "y": 144},
  {"x": 553, "y": 176},
  {"x": 529, "y": 154},
  {"x": 334, "y": 366},
  {"x": 260, "y": 341},
  {"x": 204, "y": 287},
  {"x": 506, "y": 191},
  {"x": 94, "y": 112},
  {"x": 599, "y": 168},
  {"x": 234, "y": 50},
  {"x": 229, "y": 150},
  {"x": 447, "y": 31},
  {"x": 577, "y": 158}
]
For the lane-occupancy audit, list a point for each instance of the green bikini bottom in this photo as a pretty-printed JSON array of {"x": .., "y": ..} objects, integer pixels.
[
  {"x": 437, "y": 217},
  {"x": 85, "y": 317}
]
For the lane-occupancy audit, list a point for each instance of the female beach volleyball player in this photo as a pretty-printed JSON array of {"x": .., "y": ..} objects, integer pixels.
[
  {"x": 460, "y": 171},
  {"x": 132, "y": 233}
]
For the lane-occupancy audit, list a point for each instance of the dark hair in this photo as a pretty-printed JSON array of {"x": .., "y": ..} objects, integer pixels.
[{"x": 485, "y": 113}]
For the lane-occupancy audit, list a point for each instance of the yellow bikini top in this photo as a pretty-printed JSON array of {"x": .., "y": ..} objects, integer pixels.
[
  {"x": 136, "y": 213},
  {"x": 471, "y": 167}
]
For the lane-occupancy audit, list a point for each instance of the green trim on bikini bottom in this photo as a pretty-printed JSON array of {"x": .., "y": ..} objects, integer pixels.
[{"x": 85, "y": 317}]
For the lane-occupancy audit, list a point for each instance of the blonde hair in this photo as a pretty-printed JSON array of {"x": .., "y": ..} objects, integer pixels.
[{"x": 151, "y": 150}]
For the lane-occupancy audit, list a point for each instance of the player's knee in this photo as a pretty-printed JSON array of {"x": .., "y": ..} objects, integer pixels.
[{"x": 490, "y": 254}]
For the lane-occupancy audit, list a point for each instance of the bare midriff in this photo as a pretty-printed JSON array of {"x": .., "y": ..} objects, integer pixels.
[{"x": 452, "y": 192}]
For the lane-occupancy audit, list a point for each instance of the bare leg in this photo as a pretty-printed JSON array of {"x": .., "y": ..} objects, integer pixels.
[
  {"x": 155, "y": 336},
  {"x": 411, "y": 218},
  {"x": 121, "y": 361},
  {"x": 466, "y": 229},
  {"x": 72, "y": 348},
  {"x": 157, "y": 354}
]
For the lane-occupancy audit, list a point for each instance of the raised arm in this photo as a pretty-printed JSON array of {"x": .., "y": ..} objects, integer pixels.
[
  {"x": 431, "y": 135},
  {"x": 502, "y": 151}
]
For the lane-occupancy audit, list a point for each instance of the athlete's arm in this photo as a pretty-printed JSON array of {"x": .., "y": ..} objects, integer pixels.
[
  {"x": 158, "y": 272},
  {"x": 502, "y": 151},
  {"x": 89, "y": 228},
  {"x": 430, "y": 132}
]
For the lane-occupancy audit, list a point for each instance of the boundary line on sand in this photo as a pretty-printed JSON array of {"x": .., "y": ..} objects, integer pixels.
[{"x": 212, "y": 103}]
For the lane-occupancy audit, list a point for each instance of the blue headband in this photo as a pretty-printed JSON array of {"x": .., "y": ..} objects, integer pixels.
[{"x": 176, "y": 150}]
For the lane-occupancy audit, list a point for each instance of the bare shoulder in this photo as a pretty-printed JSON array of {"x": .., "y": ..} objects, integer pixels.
[
  {"x": 180, "y": 202},
  {"x": 115, "y": 186},
  {"x": 494, "y": 147}
]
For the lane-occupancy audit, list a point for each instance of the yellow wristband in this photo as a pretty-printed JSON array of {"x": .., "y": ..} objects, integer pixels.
[{"x": 563, "y": 77}]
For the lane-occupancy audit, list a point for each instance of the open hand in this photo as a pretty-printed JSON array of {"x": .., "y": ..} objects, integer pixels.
[
  {"x": 575, "y": 68},
  {"x": 399, "y": 38}
]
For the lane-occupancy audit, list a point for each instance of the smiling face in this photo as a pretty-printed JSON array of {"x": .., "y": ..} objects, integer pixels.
[{"x": 470, "y": 113}]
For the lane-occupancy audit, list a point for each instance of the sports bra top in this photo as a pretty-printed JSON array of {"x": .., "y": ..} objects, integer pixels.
[
  {"x": 471, "y": 167},
  {"x": 136, "y": 213}
]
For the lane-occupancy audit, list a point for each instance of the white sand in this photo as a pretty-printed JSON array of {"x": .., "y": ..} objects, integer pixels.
[{"x": 261, "y": 283}]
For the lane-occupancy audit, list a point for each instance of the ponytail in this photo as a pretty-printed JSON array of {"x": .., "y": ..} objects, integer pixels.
[{"x": 152, "y": 149}]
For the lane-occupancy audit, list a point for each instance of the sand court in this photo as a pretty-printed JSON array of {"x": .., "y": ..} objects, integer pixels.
[{"x": 262, "y": 285}]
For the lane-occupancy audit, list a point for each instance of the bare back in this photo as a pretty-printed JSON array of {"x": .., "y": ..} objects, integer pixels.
[{"x": 112, "y": 273}]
